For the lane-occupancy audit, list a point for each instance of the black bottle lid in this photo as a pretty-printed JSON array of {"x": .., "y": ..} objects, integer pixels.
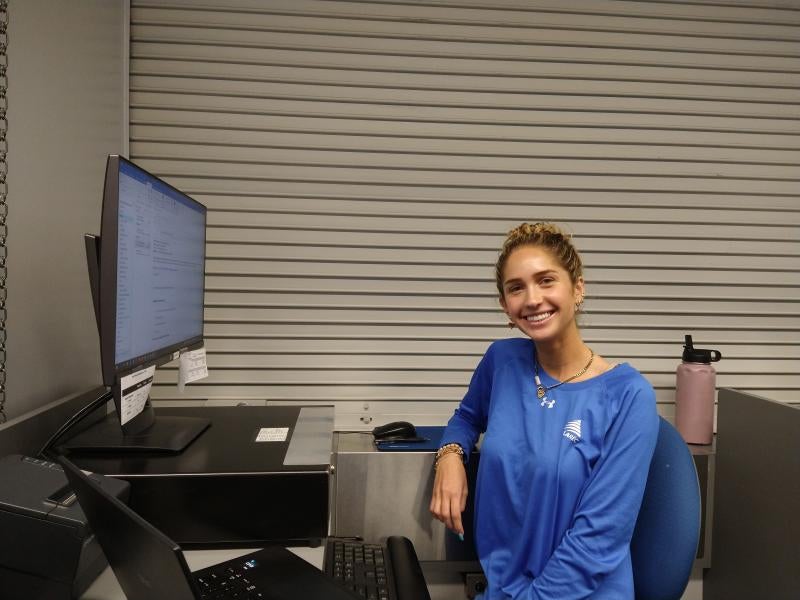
[{"x": 698, "y": 355}]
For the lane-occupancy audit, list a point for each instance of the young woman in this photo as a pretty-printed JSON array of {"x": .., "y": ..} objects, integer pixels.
[{"x": 567, "y": 445}]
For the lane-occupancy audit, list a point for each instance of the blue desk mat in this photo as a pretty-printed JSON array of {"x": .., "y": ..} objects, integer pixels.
[{"x": 432, "y": 436}]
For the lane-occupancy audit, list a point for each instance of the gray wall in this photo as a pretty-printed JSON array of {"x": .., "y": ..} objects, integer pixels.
[
  {"x": 361, "y": 162},
  {"x": 67, "y": 111},
  {"x": 302, "y": 185}
]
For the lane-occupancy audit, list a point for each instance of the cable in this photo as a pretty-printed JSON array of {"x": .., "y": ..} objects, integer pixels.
[{"x": 71, "y": 422}]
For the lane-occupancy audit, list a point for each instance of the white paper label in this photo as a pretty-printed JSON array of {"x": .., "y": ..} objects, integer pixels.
[
  {"x": 193, "y": 367},
  {"x": 272, "y": 434},
  {"x": 135, "y": 391}
]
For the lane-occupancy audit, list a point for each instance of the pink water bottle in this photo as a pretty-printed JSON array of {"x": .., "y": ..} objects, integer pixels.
[{"x": 695, "y": 391}]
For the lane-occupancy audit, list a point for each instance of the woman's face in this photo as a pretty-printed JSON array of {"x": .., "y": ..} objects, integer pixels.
[{"x": 538, "y": 294}]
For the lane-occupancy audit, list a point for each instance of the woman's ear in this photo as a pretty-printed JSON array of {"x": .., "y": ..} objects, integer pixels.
[{"x": 580, "y": 290}]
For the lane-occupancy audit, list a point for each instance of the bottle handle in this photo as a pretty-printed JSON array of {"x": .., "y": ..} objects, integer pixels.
[{"x": 715, "y": 355}]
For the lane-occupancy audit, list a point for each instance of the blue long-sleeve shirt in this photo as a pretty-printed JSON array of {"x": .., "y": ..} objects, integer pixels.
[{"x": 558, "y": 489}]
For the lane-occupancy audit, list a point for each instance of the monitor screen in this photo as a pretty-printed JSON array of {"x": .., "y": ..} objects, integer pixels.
[
  {"x": 152, "y": 269},
  {"x": 160, "y": 254}
]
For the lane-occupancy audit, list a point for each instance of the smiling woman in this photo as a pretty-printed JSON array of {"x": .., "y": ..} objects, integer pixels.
[{"x": 559, "y": 483}]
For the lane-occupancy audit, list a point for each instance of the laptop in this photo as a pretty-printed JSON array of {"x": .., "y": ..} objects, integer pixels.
[{"x": 150, "y": 565}]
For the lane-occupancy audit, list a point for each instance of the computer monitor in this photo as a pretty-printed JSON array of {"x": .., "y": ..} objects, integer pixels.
[{"x": 147, "y": 272}]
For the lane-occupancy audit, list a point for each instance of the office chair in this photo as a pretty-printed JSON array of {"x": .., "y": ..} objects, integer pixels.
[{"x": 664, "y": 543}]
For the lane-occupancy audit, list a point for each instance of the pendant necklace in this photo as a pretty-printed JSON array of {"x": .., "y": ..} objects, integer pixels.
[{"x": 541, "y": 390}]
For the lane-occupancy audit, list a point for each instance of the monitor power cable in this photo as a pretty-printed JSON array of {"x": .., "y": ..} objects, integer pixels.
[{"x": 79, "y": 416}]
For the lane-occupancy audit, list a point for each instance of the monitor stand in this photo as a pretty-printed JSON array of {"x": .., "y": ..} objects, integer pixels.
[
  {"x": 145, "y": 432},
  {"x": 166, "y": 434}
]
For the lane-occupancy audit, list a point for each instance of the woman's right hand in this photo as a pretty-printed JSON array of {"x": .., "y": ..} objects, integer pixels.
[{"x": 449, "y": 497}]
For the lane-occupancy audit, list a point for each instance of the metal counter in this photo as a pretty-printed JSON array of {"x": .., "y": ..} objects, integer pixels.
[{"x": 377, "y": 494}]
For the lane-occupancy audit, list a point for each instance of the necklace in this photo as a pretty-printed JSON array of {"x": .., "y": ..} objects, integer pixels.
[{"x": 541, "y": 390}]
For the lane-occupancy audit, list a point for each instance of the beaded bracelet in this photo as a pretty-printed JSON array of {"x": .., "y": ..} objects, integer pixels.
[{"x": 448, "y": 449}]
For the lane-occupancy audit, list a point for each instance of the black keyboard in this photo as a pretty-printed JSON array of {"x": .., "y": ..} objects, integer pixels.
[
  {"x": 376, "y": 571},
  {"x": 228, "y": 582}
]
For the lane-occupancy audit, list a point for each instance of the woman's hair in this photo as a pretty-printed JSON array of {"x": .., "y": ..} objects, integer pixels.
[{"x": 544, "y": 235}]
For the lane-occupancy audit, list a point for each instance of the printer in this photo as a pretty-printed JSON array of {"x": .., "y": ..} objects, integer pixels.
[{"x": 47, "y": 550}]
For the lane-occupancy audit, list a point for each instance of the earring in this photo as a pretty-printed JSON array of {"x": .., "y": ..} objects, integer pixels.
[{"x": 579, "y": 305}]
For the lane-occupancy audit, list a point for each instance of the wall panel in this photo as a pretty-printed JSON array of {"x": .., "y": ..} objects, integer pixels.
[{"x": 362, "y": 160}]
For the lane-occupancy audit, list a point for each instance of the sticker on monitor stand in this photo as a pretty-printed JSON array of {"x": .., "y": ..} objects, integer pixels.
[
  {"x": 272, "y": 434},
  {"x": 134, "y": 391}
]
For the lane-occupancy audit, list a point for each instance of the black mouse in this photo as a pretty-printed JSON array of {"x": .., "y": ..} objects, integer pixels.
[{"x": 396, "y": 430}]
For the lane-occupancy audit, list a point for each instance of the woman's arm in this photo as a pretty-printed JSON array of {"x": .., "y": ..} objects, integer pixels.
[{"x": 449, "y": 497}]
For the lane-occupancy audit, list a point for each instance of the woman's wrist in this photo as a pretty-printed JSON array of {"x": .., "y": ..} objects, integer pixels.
[{"x": 447, "y": 450}]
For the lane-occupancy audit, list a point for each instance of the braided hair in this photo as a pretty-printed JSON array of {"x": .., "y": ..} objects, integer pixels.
[{"x": 544, "y": 235}]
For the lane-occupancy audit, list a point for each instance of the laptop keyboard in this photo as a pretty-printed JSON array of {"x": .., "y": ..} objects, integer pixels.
[
  {"x": 360, "y": 567},
  {"x": 229, "y": 582}
]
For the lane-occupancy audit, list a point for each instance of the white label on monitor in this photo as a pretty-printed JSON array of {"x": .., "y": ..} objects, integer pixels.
[
  {"x": 193, "y": 367},
  {"x": 272, "y": 434},
  {"x": 135, "y": 391}
]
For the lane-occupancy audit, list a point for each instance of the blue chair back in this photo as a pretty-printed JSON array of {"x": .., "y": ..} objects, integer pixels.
[{"x": 664, "y": 543}]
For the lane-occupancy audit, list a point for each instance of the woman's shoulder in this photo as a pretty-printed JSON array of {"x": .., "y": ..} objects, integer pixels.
[
  {"x": 625, "y": 373},
  {"x": 508, "y": 350},
  {"x": 625, "y": 380},
  {"x": 511, "y": 346}
]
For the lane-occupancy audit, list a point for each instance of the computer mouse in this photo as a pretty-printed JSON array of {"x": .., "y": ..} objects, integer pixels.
[{"x": 396, "y": 430}]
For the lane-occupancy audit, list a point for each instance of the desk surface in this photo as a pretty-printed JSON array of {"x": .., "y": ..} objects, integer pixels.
[{"x": 106, "y": 587}]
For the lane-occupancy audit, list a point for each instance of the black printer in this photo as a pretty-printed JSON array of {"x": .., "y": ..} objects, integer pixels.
[{"x": 46, "y": 548}]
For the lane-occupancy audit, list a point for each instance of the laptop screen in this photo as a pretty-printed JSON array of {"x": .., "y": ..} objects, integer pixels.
[{"x": 146, "y": 562}]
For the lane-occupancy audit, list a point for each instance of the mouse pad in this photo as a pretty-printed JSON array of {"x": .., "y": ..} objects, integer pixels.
[{"x": 432, "y": 436}]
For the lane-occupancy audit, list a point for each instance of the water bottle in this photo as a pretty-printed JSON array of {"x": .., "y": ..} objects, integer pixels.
[{"x": 695, "y": 391}]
